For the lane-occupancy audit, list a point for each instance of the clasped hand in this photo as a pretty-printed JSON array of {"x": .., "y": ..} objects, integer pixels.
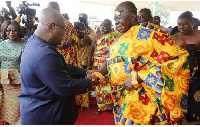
[
  {"x": 94, "y": 79},
  {"x": 128, "y": 83}
]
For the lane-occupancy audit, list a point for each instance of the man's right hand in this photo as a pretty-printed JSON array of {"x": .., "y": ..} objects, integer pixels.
[
  {"x": 8, "y": 3},
  {"x": 94, "y": 79}
]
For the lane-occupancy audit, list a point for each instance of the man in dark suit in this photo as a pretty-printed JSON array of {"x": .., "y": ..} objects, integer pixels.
[{"x": 49, "y": 85}]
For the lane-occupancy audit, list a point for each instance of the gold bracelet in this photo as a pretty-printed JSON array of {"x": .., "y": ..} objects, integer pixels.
[{"x": 99, "y": 75}]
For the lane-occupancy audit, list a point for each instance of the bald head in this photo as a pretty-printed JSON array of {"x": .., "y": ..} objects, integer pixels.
[
  {"x": 54, "y": 5},
  {"x": 125, "y": 16},
  {"x": 51, "y": 26},
  {"x": 156, "y": 20},
  {"x": 144, "y": 15},
  {"x": 108, "y": 21},
  {"x": 107, "y": 26},
  {"x": 130, "y": 6},
  {"x": 49, "y": 15}
]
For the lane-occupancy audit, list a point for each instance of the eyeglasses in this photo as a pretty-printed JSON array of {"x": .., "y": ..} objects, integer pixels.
[
  {"x": 64, "y": 28},
  {"x": 13, "y": 30}
]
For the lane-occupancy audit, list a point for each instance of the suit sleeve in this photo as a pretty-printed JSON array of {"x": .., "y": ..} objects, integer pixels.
[{"x": 56, "y": 75}]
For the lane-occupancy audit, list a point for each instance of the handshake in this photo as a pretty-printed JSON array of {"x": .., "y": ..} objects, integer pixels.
[
  {"x": 132, "y": 82},
  {"x": 91, "y": 74}
]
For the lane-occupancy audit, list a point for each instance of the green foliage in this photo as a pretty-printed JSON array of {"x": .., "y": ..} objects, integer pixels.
[
  {"x": 93, "y": 17},
  {"x": 162, "y": 11}
]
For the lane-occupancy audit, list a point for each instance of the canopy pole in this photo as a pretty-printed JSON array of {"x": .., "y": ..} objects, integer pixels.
[{"x": 154, "y": 7}]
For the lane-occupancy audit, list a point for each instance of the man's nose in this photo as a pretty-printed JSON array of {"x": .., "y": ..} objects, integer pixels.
[{"x": 181, "y": 26}]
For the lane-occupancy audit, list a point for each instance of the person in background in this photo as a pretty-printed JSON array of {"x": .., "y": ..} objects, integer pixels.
[
  {"x": 69, "y": 48},
  {"x": 49, "y": 85},
  {"x": 70, "y": 43},
  {"x": 28, "y": 20},
  {"x": 66, "y": 16},
  {"x": 189, "y": 39},
  {"x": 10, "y": 57},
  {"x": 144, "y": 15},
  {"x": 99, "y": 50},
  {"x": 174, "y": 30},
  {"x": 29, "y": 27},
  {"x": 6, "y": 14},
  {"x": 99, "y": 29},
  {"x": 1, "y": 21},
  {"x": 156, "y": 20},
  {"x": 148, "y": 72},
  {"x": 86, "y": 34},
  {"x": 196, "y": 23}
]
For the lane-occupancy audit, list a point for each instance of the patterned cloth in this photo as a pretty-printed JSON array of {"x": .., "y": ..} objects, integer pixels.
[
  {"x": 83, "y": 51},
  {"x": 103, "y": 90},
  {"x": 83, "y": 99},
  {"x": 71, "y": 53},
  {"x": 10, "y": 80},
  {"x": 161, "y": 64},
  {"x": 71, "y": 56}
]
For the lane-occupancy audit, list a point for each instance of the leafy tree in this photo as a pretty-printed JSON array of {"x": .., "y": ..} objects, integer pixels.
[
  {"x": 162, "y": 11},
  {"x": 93, "y": 17}
]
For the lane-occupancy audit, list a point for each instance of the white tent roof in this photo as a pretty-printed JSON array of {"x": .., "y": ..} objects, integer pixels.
[
  {"x": 182, "y": 5},
  {"x": 173, "y": 5}
]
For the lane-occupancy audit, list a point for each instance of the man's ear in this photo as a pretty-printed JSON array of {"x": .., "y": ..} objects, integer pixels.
[
  {"x": 133, "y": 17},
  {"x": 50, "y": 26}
]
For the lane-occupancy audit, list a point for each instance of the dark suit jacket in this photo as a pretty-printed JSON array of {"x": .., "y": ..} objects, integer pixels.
[{"x": 49, "y": 85}]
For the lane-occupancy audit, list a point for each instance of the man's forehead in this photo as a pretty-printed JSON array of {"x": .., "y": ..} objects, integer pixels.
[
  {"x": 143, "y": 12},
  {"x": 121, "y": 7},
  {"x": 156, "y": 18},
  {"x": 183, "y": 20}
]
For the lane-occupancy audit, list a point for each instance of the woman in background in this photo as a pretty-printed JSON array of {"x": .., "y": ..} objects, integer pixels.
[{"x": 10, "y": 54}]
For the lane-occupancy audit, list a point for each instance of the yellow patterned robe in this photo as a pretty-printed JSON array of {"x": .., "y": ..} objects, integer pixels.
[
  {"x": 103, "y": 90},
  {"x": 163, "y": 67},
  {"x": 70, "y": 54}
]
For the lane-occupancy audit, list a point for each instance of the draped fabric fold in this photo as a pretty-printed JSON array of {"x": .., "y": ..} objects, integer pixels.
[{"x": 163, "y": 67}]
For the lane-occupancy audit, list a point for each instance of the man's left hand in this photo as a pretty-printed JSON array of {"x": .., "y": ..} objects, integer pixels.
[{"x": 128, "y": 84}]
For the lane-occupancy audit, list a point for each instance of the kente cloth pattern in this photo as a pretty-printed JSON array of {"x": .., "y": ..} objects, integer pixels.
[
  {"x": 83, "y": 99},
  {"x": 162, "y": 65},
  {"x": 71, "y": 54},
  {"x": 10, "y": 80},
  {"x": 84, "y": 50},
  {"x": 103, "y": 90}
]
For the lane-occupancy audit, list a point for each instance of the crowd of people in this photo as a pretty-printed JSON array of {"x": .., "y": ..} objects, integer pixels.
[{"x": 144, "y": 73}]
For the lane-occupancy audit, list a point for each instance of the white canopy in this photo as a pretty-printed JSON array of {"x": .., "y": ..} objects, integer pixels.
[{"x": 173, "y": 5}]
